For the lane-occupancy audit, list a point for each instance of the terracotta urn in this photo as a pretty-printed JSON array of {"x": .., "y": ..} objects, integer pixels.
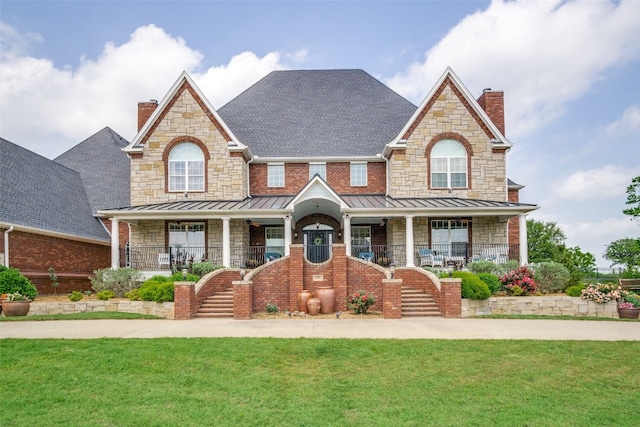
[
  {"x": 303, "y": 297},
  {"x": 327, "y": 297},
  {"x": 313, "y": 305},
  {"x": 16, "y": 308}
]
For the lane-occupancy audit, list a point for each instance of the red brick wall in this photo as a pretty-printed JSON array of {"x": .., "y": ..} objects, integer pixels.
[
  {"x": 271, "y": 284},
  {"x": 145, "y": 109},
  {"x": 242, "y": 296},
  {"x": 514, "y": 223},
  {"x": 220, "y": 281},
  {"x": 184, "y": 306},
  {"x": 493, "y": 104},
  {"x": 73, "y": 262},
  {"x": 451, "y": 298},
  {"x": 362, "y": 276},
  {"x": 392, "y": 302},
  {"x": 338, "y": 177}
]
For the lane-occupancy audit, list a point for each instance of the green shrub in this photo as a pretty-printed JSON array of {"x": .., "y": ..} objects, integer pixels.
[
  {"x": 158, "y": 291},
  {"x": 491, "y": 280},
  {"x": 133, "y": 295},
  {"x": 105, "y": 295},
  {"x": 12, "y": 281},
  {"x": 272, "y": 308},
  {"x": 478, "y": 267},
  {"x": 75, "y": 296},
  {"x": 202, "y": 268},
  {"x": 551, "y": 276},
  {"x": 472, "y": 286},
  {"x": 119, "y": 280},
  {"x": 177, "y": 277},
  {"x": 575, "y": 290}
]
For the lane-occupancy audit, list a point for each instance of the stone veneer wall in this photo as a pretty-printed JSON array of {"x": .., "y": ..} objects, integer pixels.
[
  {"x": 122, "y": 305},
  {"x": 408, "y": 168},
  {"x": 549, "y": 305},
  {"x": 227, "y": 174}
]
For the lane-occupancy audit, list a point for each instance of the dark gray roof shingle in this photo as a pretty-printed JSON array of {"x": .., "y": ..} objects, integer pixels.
[
  {"x": 317, "y": 113},
  {"x": 40, "y": 193},
  {"x": 104, "y": 168}
]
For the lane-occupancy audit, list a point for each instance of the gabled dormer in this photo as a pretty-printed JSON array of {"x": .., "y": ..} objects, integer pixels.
[
  {"x": 450, "y": 146},
  {"x": 184, "y": 150}
]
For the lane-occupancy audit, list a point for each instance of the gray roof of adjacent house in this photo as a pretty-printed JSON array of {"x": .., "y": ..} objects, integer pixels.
[
  {"x": 39, "y": 193},
  {"x": 104, "y": 168},
  {"x": 317, "y": 113}
]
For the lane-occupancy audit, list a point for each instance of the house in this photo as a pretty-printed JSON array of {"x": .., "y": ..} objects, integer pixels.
[
  {"x": 319, "y": 178},
  {"x": 48, "y": 209}
]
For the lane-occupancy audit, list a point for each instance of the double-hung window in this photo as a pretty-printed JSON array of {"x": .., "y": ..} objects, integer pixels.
[
  {"x": 319, "y": 169},
  {"x": 448, "y": 165},
  {"x": 275, "y": 172},
  {"x": 358, "y": 174},
  {"x": 186, "y": 168}
]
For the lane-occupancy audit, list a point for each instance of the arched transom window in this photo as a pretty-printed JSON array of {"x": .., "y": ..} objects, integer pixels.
[
  {"x": 186, "y": 168},
  {"x": 448, "y": 165}
]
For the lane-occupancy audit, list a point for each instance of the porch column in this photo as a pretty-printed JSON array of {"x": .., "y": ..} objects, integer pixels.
[
  {"x": 347, "y": 234},
  {"x": 226, "y": 243},
  {"x": 409, "y": 241},
  {"x": 524, "y": 249},
  {"x": 287, "y": 234},
  {"x": 115, "y": 243}
]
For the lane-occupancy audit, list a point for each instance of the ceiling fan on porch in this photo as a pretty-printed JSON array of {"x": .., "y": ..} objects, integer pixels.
[
  {"x": 251, "y": 222},
  {"x": 384, "y": 222}
]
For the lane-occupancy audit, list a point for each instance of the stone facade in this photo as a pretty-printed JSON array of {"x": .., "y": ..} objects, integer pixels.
[
  {"x": 164, "y": 309},
  {"x": 549, "y": 305}
]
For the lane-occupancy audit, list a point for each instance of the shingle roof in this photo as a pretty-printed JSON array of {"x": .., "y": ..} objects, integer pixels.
[
  {"x": 40, "y": 193},
  {"x": 317, "y": 113},
  {"x": 104, "y": 168}
]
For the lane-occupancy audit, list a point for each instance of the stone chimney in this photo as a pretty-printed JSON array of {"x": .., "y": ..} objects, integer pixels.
[
  {"x": 492, "y": 102},
  {"x": 145, "y": 110}
]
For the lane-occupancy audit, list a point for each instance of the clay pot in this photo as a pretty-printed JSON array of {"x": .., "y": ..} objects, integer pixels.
[
  {"x": 628, "y": 313},
  {"x": 313, "y": 305},
  {"x": 303, "y": 297},
  {"x": 327, "y": 297},
  {"x": 16, "y": 308}
]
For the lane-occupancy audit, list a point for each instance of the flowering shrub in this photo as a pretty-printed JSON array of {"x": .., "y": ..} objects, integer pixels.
[
  {"x": 360, "y": 302},
  {"x": 627, "y": 305},
  {"x": 602, "y": 292},
  {"x": 519, "y": 281}
]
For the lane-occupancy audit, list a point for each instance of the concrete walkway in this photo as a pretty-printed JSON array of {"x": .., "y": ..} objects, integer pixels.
[{"x": 408, "y": 328}]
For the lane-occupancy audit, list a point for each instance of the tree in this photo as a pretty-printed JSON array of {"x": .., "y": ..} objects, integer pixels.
[
  {"x": 624, "y": 252},
  {"x": 545, "y": 239},
  {"x": 633, "y": 199}
]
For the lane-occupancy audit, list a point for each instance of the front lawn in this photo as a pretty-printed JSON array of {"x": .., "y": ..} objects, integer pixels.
[{"x": 320, "y": 382}]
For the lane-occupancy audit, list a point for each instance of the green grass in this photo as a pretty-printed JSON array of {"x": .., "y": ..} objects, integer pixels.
[
  {"x": 80, "y": 316},
  {"x": 320, "y": 382}
]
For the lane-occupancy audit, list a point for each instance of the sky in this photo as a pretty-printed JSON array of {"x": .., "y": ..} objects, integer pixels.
[{"x": 570, "y": 72}]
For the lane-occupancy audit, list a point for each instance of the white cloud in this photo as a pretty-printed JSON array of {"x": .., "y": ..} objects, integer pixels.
[
  {"x": 609, "y": 181},
  {"x": 49, "y": 110},
  {"x": 630, "y": 121},
  {"x": 543, "y": 54}
]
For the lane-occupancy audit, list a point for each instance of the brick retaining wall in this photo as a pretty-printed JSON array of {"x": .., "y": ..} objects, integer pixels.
[{"x": 549, "y": 305}]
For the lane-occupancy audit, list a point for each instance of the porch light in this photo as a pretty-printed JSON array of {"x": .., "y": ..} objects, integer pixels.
[
  {"x": 392, "y": 270},
  {"x": 317, "y": 218},
  {"x": 242, "y": 273},
  {"x": 184, "y": 274},
  {"x": 450, "y": 268}
]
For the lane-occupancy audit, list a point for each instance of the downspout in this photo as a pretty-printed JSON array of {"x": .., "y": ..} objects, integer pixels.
[
  {"x": 249, "y": 177},
  {"x": 6, "y": 245}
]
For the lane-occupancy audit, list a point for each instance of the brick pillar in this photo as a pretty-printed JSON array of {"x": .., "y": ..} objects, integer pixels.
[
  {"x": 296, "y": 275},
  {"x": 340, "y": 276},
  {"x": 451, "y": 297},
  {"x": 242, "y": 299},
  {"x": 392, "y": 298},
  {"x": 184, "y": 300},
  {"x": 145, "y": 110}
]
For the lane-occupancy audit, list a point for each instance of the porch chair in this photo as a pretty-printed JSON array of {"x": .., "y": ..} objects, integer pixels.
[
  {"x": 427, "y": 257},
  {"x": 270, "y": 256},
  {"x": 163, "y": 260},
  {"x": 366, "y": 256}
]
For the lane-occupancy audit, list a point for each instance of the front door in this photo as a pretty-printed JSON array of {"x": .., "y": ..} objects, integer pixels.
[{"x": 318, "y": 244}]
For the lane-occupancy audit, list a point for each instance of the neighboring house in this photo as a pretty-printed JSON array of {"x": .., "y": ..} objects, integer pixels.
[
  {"x": 318, "y": 163},
  {"x": 48, "y": 209}
]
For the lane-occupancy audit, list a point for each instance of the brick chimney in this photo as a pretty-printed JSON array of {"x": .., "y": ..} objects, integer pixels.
[
  {"x": 492, "y": 102},
  {"x": 145, "y": 110}
]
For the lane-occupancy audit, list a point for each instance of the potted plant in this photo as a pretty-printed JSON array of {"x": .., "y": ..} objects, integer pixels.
[
  {"x": 16, "y": 304},
  {"x": 629, "y": 307}
]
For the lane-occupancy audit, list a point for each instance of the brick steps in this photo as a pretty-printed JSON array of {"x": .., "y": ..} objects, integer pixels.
[
  {"x": 417, "y": 303},
  {"x": 217, "y": 305}
]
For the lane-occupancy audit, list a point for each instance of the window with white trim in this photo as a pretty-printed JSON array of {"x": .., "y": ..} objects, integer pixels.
[
  {"x": 358, "y": 174},
  {"x": 274, "y": 239},
  {"x": 275, "y": 174},
  {"x": 187, "y": 240},
  {"x": 361, "y": 237},
  {"x": 186, "y": 168},
  {"x": 319, "y": 169},
  {"x": 448, "y": 165}
]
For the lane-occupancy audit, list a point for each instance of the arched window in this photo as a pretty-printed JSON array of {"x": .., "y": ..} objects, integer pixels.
[
  {"x": 448, "y": 165},
  {"x": 186, "y": 168}
]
